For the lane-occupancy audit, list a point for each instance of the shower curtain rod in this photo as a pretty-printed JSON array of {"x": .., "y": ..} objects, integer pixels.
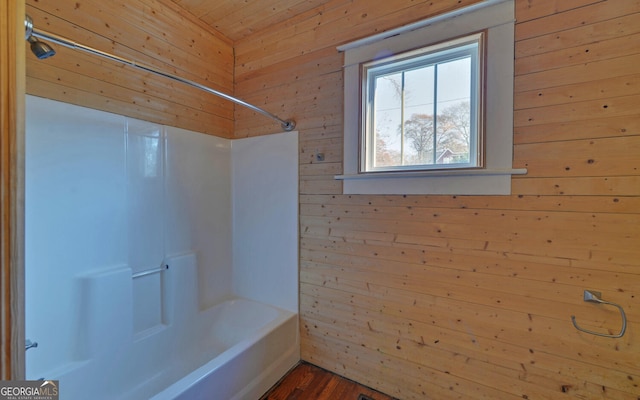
[{"x": 287, "y": 125}]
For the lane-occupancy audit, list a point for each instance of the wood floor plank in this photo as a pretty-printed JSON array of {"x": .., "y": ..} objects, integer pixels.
[{"x": 308, "y": 382}]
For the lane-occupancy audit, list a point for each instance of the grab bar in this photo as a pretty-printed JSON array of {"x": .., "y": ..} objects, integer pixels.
[
  {"x": 595, "y": 297},
  {"x": 28, "y": 344},
  {"x": 149, "y": 272}
]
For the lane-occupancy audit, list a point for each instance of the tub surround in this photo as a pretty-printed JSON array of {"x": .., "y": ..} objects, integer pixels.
[
  {"x": 130, "y": 254},
  {"x": 255, "y": 202}
]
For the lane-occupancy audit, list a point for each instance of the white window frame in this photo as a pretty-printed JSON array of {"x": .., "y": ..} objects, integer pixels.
[
  {"x": 496, "y": 18},
  {"x": 429, "y": 55}
]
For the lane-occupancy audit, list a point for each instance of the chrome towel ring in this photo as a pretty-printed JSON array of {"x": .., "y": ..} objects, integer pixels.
[{"x": 595, "y": 297}]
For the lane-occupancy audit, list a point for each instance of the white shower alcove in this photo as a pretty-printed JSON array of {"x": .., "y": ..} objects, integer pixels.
[{"x": 158, "y": 257}]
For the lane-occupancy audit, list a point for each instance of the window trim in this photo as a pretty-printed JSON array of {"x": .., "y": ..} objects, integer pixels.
[{"x": 497, "y": 18}]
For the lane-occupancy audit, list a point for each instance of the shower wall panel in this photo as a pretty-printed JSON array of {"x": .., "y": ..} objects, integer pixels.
[
  {"x": 108, "y": 197},
  {"x": 199, "y": 217},
  {"x": 265, "y": 219},
  {"x": 76, "y": 218}
]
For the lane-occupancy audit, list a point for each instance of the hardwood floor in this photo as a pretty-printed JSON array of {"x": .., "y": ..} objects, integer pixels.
[{"x": 308, "y": 382}]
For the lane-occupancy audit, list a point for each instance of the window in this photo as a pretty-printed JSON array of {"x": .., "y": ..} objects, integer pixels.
[
  {"x": 421, "y": 109},
  {"x": 428, "y": 107}
]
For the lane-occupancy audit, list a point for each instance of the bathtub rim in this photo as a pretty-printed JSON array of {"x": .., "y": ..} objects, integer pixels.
[{"x": 261, "y": 383}]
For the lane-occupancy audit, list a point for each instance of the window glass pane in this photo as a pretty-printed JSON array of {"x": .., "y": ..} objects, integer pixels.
[
  {"x": 387, "y": 116},
  {"x": 421, "y": 110},
  {"x": 454, "y": 112},
  {"x": 418, "y": 115}
]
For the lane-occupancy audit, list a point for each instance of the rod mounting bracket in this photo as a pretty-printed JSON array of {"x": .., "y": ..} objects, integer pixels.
[{"x": 288, "y": 125}]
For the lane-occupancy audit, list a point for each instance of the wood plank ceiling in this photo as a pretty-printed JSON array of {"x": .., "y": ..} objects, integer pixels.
[{"x": 237, "y": 19}]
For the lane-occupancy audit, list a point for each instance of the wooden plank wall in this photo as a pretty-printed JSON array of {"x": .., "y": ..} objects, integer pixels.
[
  {"x": 12, "y": 87},
  {"x": 445, "y": 297},
  {"x": 153, "y": 32}
]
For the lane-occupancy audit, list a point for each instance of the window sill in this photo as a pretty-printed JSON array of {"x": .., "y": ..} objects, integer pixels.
[
  {"x": 417, "y": 174},
  {"x": 494, "y": 181}
]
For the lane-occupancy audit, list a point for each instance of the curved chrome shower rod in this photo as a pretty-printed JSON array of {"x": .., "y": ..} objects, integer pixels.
[{"x": 287, "y": 125}]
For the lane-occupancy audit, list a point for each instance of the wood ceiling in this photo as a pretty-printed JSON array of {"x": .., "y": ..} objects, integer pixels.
[{"x": 237, "y": 19}]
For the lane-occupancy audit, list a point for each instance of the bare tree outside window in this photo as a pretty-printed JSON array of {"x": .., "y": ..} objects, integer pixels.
[
  {"x": 453, "y": 130},
  {"x": 418, "y": 130},
  {"x": 385, "y": 156},
  {"x": 421, "y": 146}
]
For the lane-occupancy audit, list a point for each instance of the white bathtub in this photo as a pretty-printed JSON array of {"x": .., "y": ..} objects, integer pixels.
[
  {"x": 258, "y": 343},
  {"x": 234, "y": 350}
]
